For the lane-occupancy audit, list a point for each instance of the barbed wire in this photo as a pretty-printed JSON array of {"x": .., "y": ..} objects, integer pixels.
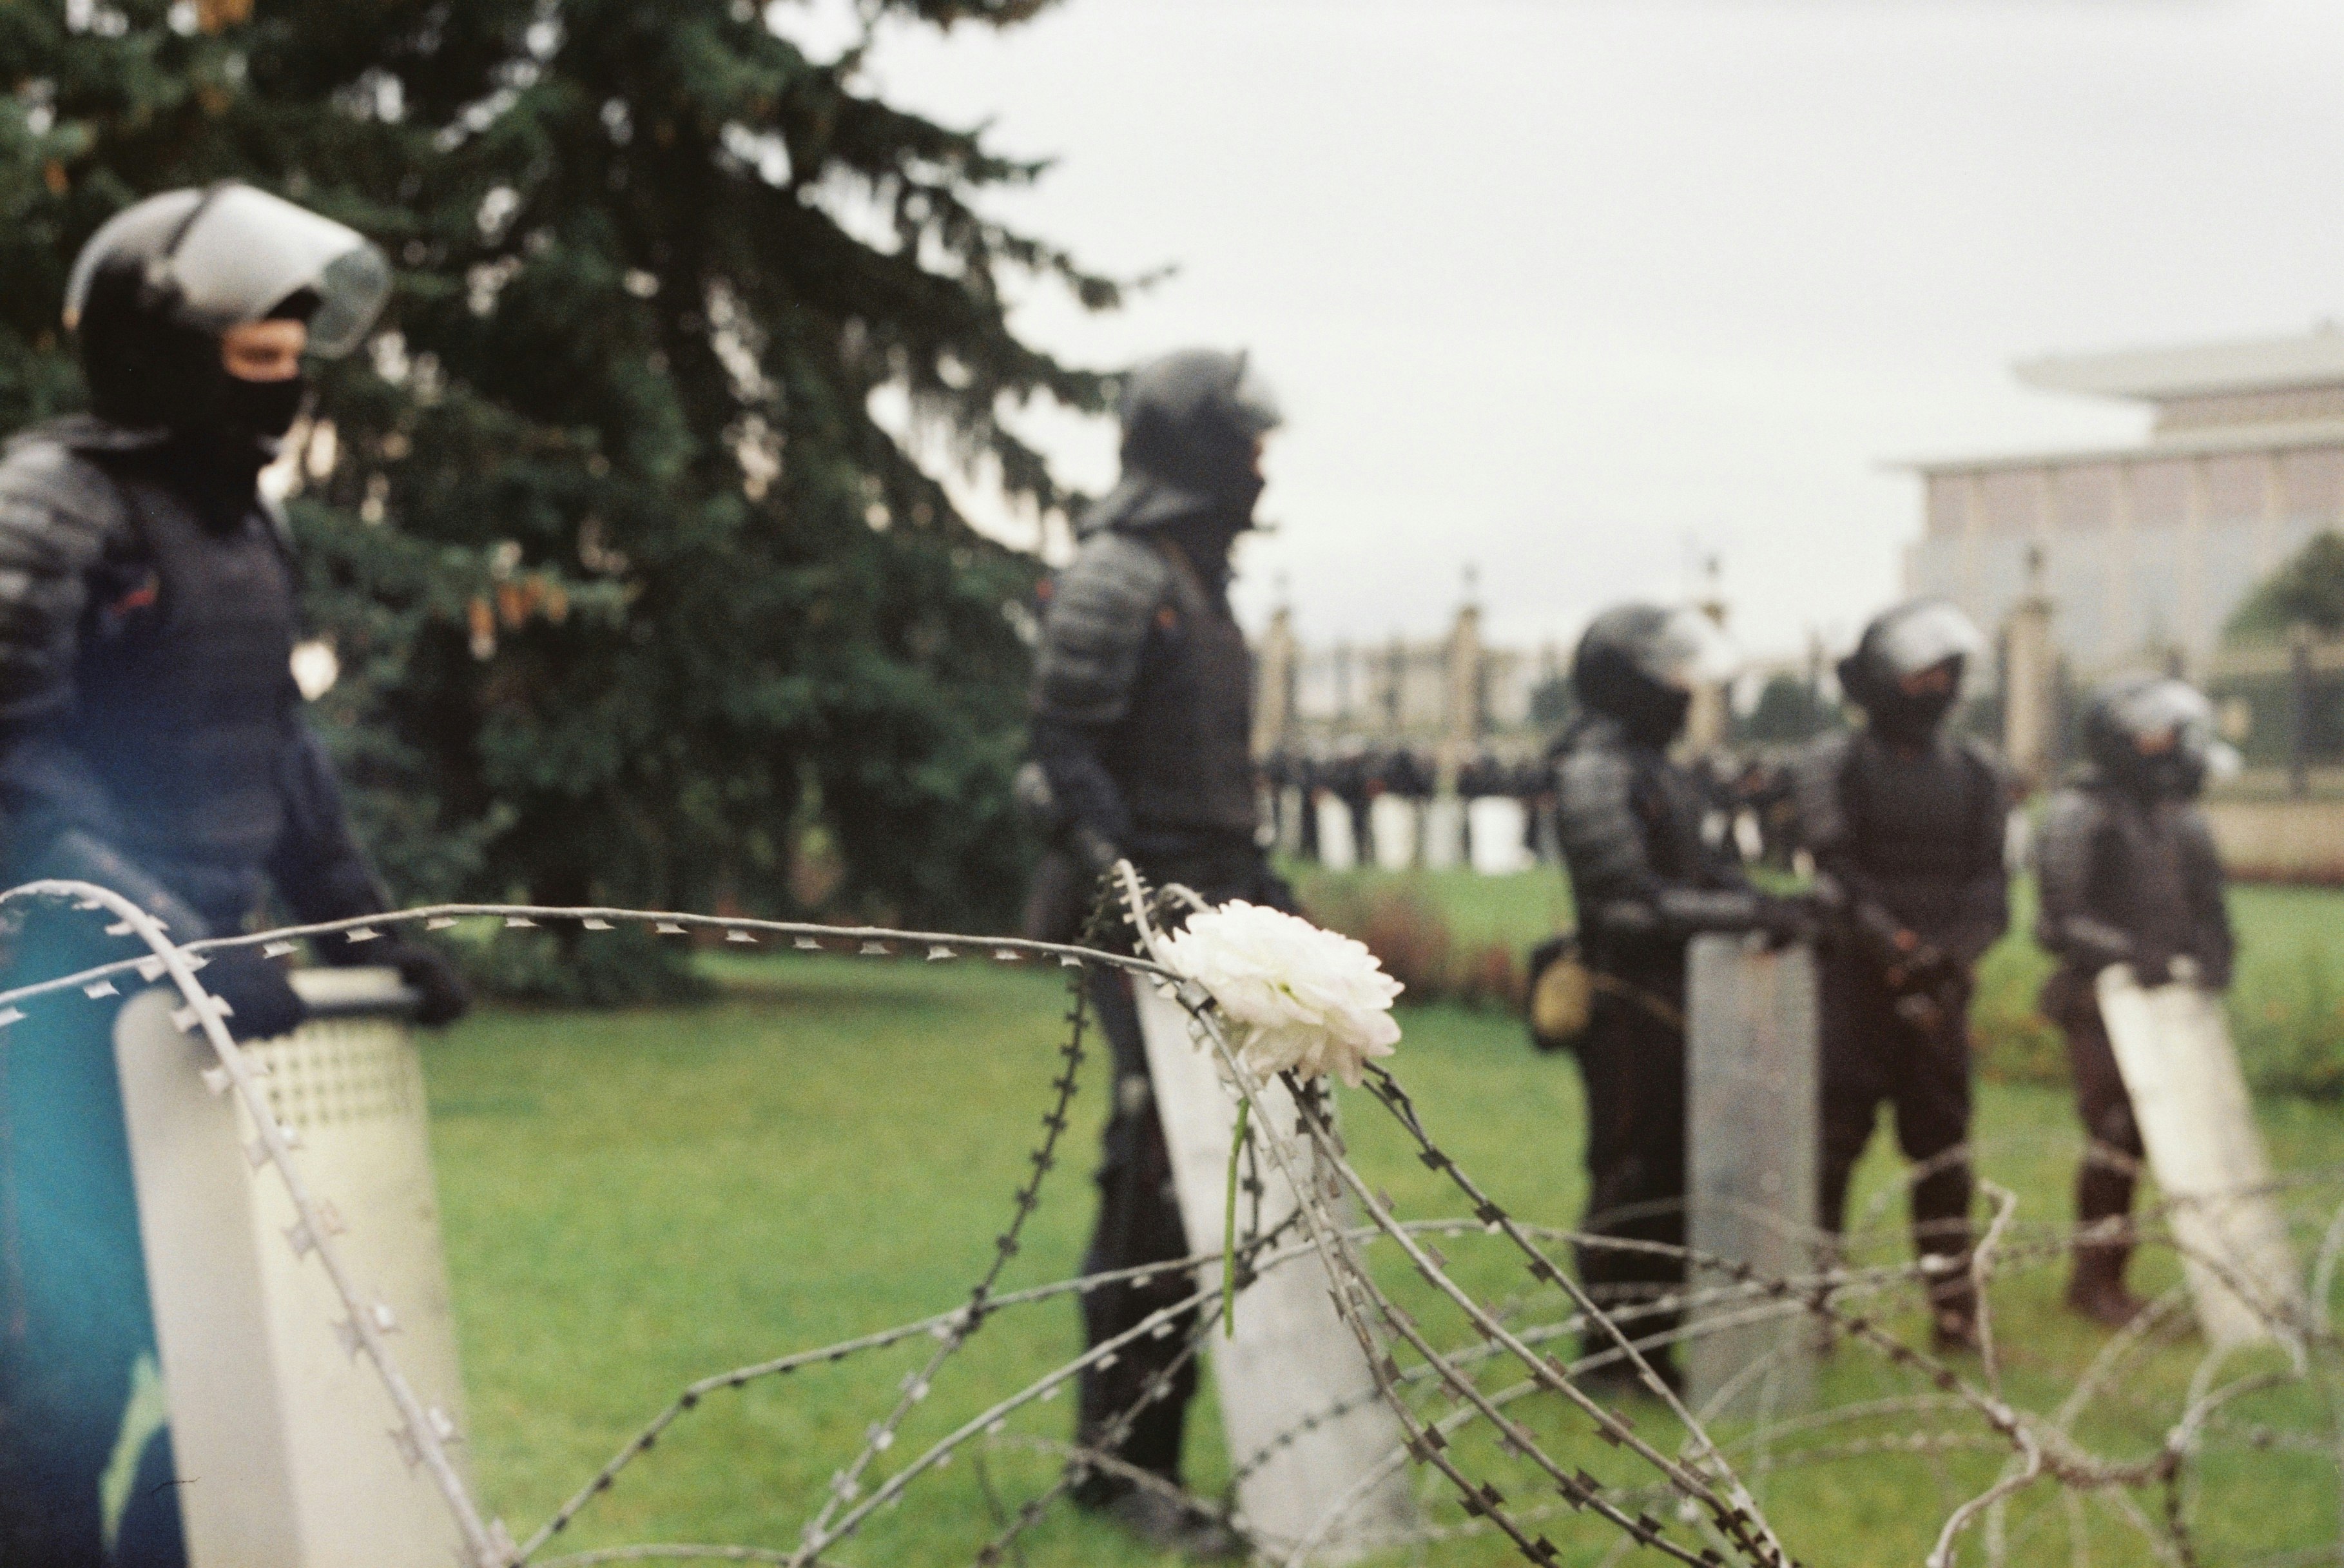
[{"x": 1692, "y": 1497}]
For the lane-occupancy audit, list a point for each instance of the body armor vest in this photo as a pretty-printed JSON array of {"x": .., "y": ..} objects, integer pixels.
[
  {"x": 2139, "y": 880},
  {"x": 1914, "y": 827},
  {"x": 1183, "y": 756},
  {"x": 1630, "y": 823},
  {"x": 1671, "y": 804},
  {"x": 183, "y": 692}
]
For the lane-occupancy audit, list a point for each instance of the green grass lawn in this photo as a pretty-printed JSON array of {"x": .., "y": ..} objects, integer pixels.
[{"x": 634, "y": 1199}]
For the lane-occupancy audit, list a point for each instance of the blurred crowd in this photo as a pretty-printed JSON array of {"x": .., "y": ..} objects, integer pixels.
[{"x": 1320, "y": 807}]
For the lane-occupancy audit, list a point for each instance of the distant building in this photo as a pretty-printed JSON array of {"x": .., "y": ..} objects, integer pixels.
[
  {"x": 2143, "y": 551},
  {"x": 1457, "y": 693}
]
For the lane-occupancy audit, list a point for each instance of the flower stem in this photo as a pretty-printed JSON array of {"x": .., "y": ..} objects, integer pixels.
[{"x": 1229, "y": 1228}]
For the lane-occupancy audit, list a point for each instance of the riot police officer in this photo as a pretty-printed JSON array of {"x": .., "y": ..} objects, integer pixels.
[
  {"x": 151, "y": 740},
  {"x": 1645, "y": 881},
  {"x": 1142, "y": 725},
  {"x": 2129, "y": 874},
  {"x": 1907, "y": 829}
]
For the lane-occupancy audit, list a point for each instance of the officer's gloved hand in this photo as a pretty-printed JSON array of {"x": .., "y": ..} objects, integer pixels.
[
  {"x": 444, "y": 996},
  {"x": 1097, "y": 852},
  {"x": 2152, "y": 969},
  {"x": 1934, "y": 967},
  {"x": 1786, "y": 920},
  {"x": 1925, "y": 969},
  {"x": 262, "y": 1002}
]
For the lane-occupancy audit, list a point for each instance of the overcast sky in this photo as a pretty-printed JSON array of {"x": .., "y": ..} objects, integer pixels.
[{"x": 1579, "y": 292}]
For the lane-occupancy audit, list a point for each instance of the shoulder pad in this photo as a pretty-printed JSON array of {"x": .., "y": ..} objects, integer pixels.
[
  {"x": 59, "y": 512},
  {"x": 1595, "y": 812},
  {"x": 1815, "y": 794},
  {"x": 1589, "y": 774},
  {"x": 2071, "y": 824},
  {"x": 53, "y": 498},
  {"x": 2074, "y": 815},
  {"x": 1101, "y": 607},
  {"x": 2063, "y": 854}
]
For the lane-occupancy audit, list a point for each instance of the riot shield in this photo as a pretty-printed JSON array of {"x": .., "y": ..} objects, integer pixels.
[
  {"x": 1291, "y": 804},
  {"x": 1753, "y": 1100},
  {"x": 1444, "y": 832},
  {"x": 1298, "y": 1402},
  {"x": 2173, "y": 1048},
  {"x": 1392, "y": 831},
  {"x": 1338, "y": 843},
  {"x": 1500, "y": 829},
  {"x": 278, "y": 1429}
]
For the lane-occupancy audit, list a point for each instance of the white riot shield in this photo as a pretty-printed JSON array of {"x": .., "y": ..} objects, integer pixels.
[
  {"x": 282, "y": 1437},
  {"x": 1291, "y": 1359},
  {"x": 1444, "y": 832},
  {"x": 1753, "y": 1105},
  {"x": 1499, "y": 831},
  {"x": 2173, "y": 1048},
  {"x": 1392, "y": 826},
  {"x": 1338, "y": 845},
  {"x": 1291, "y": 804}
]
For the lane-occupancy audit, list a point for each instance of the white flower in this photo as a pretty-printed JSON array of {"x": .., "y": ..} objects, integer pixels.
[{"x": 1300, "y": 998}]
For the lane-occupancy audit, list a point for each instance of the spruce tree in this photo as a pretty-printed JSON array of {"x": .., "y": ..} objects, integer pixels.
[
  {"x": 2306, "y": 590},
  {"x": 632, "y": 596}
]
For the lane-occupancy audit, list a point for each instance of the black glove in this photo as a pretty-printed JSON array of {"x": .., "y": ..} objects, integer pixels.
[
  {"x": 262, "y": 1002},
  {"x": 1097, "y": 851},
  {"x": 433, "y": 975},
  {"x": 1940, "y": 968},
  {"x": 1786, "y": 920},
  {"x": 1923, "y": 969},
  {"x": 1921, "y": 1010},
  {"x": 2152, "y": 969}
]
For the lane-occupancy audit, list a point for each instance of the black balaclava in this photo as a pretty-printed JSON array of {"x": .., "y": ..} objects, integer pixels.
[
  {"x": 220, "y": 431},
  {"x": 1914, "y": 637},
  {"x": 156, "y": 289},
  {"x": 1192, "y": 427},
  {"x": 1913, "y": 720},
  {"x": 1205, "y": 542},
  {"x": 1194, "y": 421},
  {"x": 2133, "y": 709},
  {"x": 1634, "y": 664}
]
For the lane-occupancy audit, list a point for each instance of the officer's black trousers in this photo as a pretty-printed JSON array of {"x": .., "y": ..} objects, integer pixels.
[
  {"x": 1633, "y": 1062},
  {"x": 1872, "y": 1054},
  {"x": 1138, "y": 1223},
  {"x": 2103, "y": 1186},
  {"x": 1139, "y": 1212}
]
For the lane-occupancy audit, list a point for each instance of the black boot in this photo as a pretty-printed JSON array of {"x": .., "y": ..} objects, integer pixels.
[
  {"x": 1952, "y": 1302},
  {"x": 2103, "y": 1242},
  {"x": 1165, "y": 1524},
  {"x": 1952, "y": 1325},
  {"x": 2097, "y": 1289}
]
